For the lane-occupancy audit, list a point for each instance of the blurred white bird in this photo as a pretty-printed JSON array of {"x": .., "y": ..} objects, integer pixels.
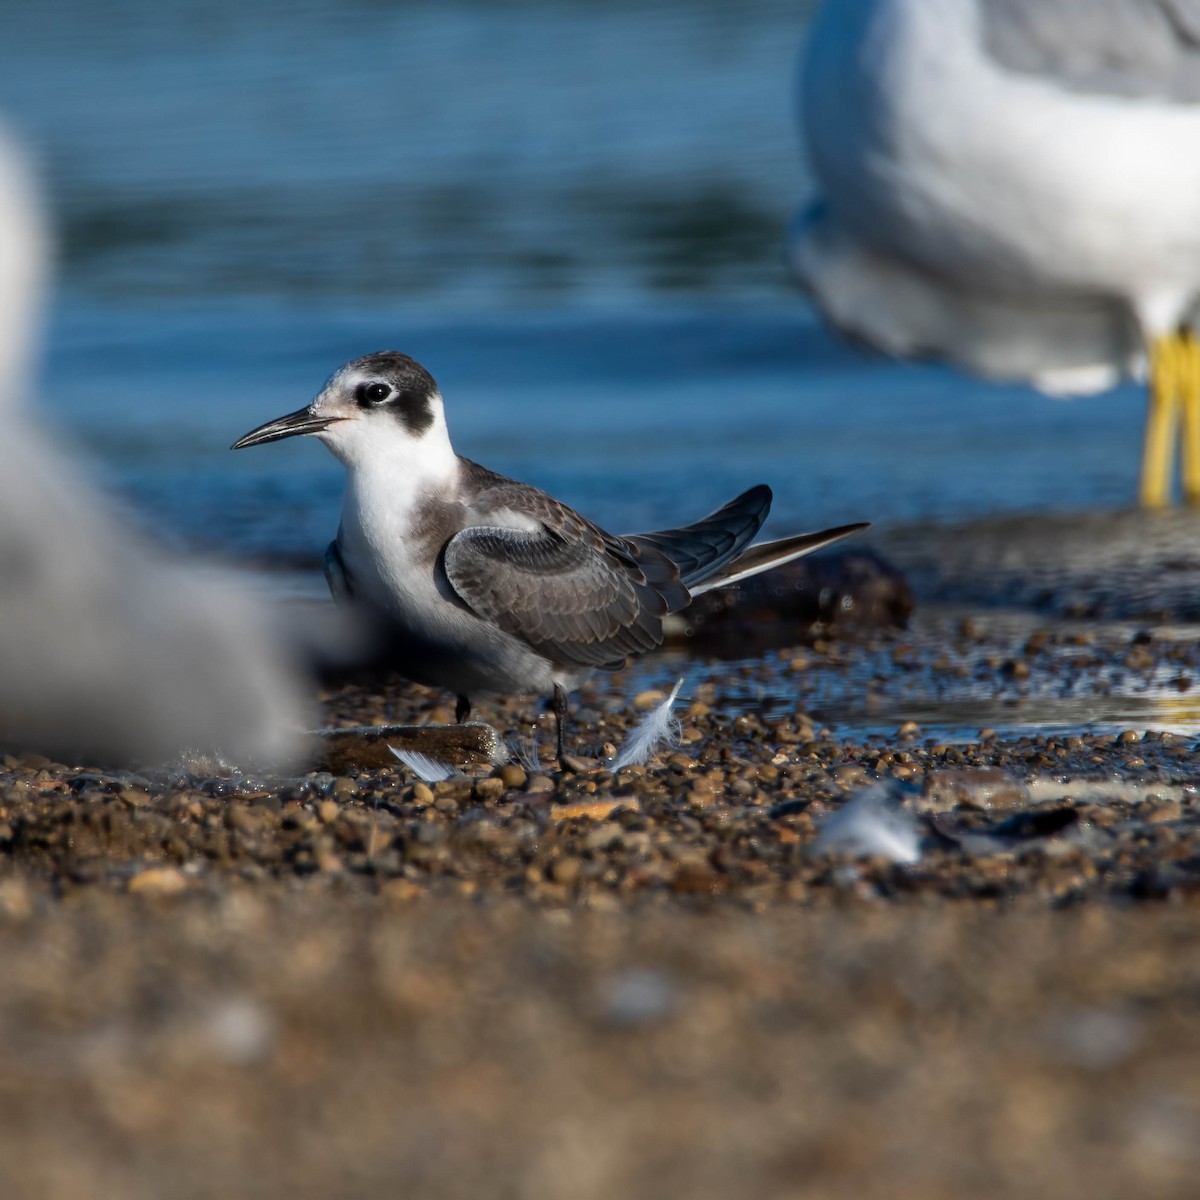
[
  {"x": 1014, "y": 185},
  {"x": 107, "y": 649}
]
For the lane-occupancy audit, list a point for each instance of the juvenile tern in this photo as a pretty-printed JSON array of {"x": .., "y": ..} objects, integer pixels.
[{"x": 485, "y": 584}]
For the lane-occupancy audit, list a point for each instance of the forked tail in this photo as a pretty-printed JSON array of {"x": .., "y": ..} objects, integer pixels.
[{"x": 767, "y": 555}]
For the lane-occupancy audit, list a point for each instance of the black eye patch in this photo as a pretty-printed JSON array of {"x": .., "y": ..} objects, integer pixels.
[
  {"x": 413, "y": 406},
  {"x": 368, "y": 394},
  {"x": 415, "y": 409}
]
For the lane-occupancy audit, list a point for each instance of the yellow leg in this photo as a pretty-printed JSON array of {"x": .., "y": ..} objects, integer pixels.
[
  {"x": 1162, "y": 415},
  {"x": 1189, "y": 395}
]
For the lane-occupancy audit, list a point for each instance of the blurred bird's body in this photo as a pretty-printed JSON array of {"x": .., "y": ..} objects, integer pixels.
[
  {"x": 1014, "y": 185},
  {"x": 486, "y": 584},
  {"x": 109, "y": 649}
]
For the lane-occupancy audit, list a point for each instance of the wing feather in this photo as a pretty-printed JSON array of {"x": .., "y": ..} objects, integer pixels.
[
  {"x": 1134, "y": 48},
  {"x": 566, "y": 598},
  {"x": 698, "y": 551},
  {"x": 586, "y": 598}
]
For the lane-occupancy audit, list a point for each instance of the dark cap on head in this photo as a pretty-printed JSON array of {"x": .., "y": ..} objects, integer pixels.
[{"x": 392, "y": 382}]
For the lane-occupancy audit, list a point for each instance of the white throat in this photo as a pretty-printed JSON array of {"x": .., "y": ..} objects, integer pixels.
[{"x": 390, "y": 474}]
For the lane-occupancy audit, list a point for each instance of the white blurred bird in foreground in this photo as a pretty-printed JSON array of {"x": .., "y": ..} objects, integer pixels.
[
  {"x": 487, "y": 584},
  {"x": 107, "y": 649},
  {"x": 1014, "y": 185}
]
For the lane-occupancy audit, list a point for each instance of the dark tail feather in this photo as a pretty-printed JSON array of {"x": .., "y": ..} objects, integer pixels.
[
  {"x": 702, "y": 549},
  {"x": 774, "y": 554}
]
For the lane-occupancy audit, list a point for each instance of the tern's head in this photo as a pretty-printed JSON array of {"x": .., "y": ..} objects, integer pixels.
[{"x": 383, "y": 404}]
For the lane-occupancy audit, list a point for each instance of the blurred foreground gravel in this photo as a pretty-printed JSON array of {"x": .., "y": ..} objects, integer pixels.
[
  {"x": 518, "y": 984},
  {"x": 308, "y": 1039}
]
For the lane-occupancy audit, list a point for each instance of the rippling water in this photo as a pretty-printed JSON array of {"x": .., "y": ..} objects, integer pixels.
[
  {"x": 467, "y": 153},
  {"x": 573, "y": 212},
  {"x": 638, "y": 418}
]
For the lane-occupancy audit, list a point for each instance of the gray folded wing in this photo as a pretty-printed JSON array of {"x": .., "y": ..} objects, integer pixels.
[
  {"x": 583, "y": 597},
  {"x": 1134, "y": 48},
  {"x": 700, "y": 551},
  {"x": 580, "y": 604}
]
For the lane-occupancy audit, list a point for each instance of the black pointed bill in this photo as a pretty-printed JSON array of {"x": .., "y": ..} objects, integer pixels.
[{"x": 295, "y": 424}]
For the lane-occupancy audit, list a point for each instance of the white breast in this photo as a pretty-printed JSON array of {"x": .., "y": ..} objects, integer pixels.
[
  {"x": 393, "y": 562},
  {"x": 391, "y": 568},
  {"x": 991, "y": 217},
  {"x": 929, "y": 150}
]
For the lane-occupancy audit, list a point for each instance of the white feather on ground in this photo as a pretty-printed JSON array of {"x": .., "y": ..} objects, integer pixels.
[
  {"x": 425, "y": 767},
  {"x": 657, "y": 728},
  {"x": 526, "y": 754},
  {"x": 872, "y": 824}
]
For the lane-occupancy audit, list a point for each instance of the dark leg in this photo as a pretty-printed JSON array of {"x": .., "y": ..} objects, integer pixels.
[
  {"x": 560, "y": 719},
  {"x": 462, "y": 710}
]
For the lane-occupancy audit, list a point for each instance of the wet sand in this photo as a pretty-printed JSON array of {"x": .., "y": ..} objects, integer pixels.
[{"x": 526, "y": 983}]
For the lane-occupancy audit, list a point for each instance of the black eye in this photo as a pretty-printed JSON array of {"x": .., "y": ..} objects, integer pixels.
[{"x": 372, "y": 393}]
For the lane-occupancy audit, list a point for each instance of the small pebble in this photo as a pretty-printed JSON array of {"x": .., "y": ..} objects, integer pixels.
[
  {"x": 639, "y": 996},
  {"x": 491, "y": 788},
  {"x": 596, "y": 810},
  {"x": 159, "y": 881},
  {"x": 565, "y": 870},
  {"x": 513, "y": 776}
]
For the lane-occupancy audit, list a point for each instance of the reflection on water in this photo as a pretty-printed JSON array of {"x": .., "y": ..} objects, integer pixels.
[
  {"x": 1074, "y": 677},
  {"x": 963, "y": 721}
]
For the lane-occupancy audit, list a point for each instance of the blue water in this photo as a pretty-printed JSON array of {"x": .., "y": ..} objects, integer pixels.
[
  {"x": 432, "y": 153},
  {"x": 572, "y": 212},
  {"x": 638, "y": 418}
]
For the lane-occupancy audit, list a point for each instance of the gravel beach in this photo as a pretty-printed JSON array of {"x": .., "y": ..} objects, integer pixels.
[
  {"x": 908, "y": 904},
  {"x": 675, "y": 979}
]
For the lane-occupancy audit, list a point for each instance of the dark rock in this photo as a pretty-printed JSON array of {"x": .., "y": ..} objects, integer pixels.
[
  {"x": 850, "y": 590},
  {"x": 340, "y": 751}
]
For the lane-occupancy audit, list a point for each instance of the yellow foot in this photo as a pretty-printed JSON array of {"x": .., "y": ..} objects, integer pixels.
[
  {"x": 1174, "y": 400},
  {"x": 1189, "y": 395}
]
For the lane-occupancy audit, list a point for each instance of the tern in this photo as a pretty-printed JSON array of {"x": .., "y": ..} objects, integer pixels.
[{"x": 485, "y": 584}]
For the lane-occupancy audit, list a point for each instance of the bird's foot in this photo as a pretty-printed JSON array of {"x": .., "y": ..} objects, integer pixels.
[
  {"x": 1173, "y": 408},
  {"x": 560, "y": 722},
  {"x": 1189, "y": 388}
]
